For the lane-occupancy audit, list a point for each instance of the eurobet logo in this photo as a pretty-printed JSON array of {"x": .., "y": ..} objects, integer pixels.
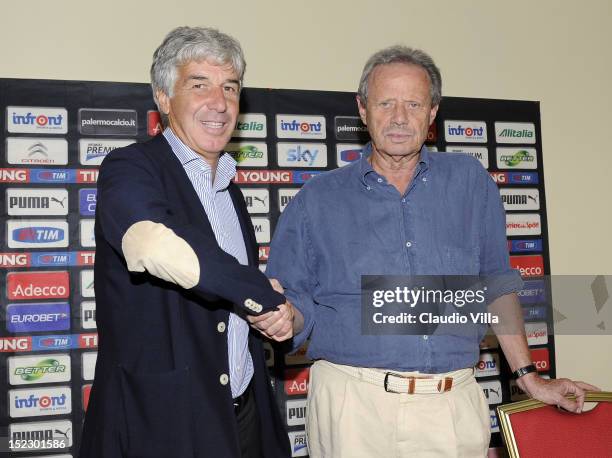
[
  {"x": 488, "y": 365},
  {"x": 25, "y": 370},
  {"x": 39, "y": 401},
  {"x": 30, "y": 201},
  {"x": 284, "y": 197},
  {"x": 529, "y": 265},
  {"x": 296, "y": 381},
  {"x": 51, "y": 435},
  {"x": 350, "y": 128},
  {"x": 15, "y": 344},
  {"x": 88, "y": 315},
  {"x": 37, "y": 285},
  {"x": 37, "y": 120},
  {"x": 104, "y": 121},
  {"x": 533, "y": 292},
  {"x": 299, "y": 446},
  {"x": 541, "y": 359},
  {"x": 300, "y": 126},
  {"x": 492, "y": 391},
  {"x": 36, "y": 151},
  {"x": 35, "y": 317},
  {"x": 248, "y": 154},
  {"x": 515, "y": 132},
  {"x": 262, "y": 229},
  {"x": 520, "y": 199},
  {"x": 301, "y": 154},
  {"x": 37, "y": 234},
  {"x": 93, "y": 150},
  {"x": 296, "y": 412},
  {"x": 517, "y": 158},
  {"x": 251, "y": 125},
  {"x": 347, "y": 153},
  {"x": 478, "y": 152},
  {"x": 523, "y": 224},
  {"x": 465, "y": 131},
  {"x": 154, "y": 123},
  {"x": 537, "y": 333},
  {"x": 88, "y": 198},
  {"x": 88, "y": 364}
]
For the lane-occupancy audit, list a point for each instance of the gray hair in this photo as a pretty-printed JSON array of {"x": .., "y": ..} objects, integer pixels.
[
  {"x": 402, "y": 55},
  {"x": 187, "y": 44}
]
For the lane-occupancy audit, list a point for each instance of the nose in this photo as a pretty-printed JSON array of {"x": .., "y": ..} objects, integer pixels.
[
  {"x": 399, "y": 115},
  {"x": 216, "y": 100}
]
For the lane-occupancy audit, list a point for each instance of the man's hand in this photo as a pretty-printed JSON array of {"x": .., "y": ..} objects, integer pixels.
[
  {"x": 277, "y": 324},
  {"x": 554, "y": 391}
]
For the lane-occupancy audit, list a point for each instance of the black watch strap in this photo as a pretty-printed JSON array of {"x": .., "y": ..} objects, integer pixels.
[{"x": 524, "y": 371}]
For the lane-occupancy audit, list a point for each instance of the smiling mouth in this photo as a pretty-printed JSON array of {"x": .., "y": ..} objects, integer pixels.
[{"x": 213, "y": 124}]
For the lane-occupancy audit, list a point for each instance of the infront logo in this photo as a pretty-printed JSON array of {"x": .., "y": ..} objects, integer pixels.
[
  {"x": 487, "y": 365},
  {"x": 465, "y": 131},
  {"x": 293, "y": 126},
  {"x": 37, "y": 120}
]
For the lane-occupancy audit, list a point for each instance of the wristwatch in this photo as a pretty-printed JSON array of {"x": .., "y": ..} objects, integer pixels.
[{"x": 524, "y": 371}]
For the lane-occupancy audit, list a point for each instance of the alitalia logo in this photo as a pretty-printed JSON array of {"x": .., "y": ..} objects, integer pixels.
[
  {"x": 515, "y": 132},
  {"x": 512, "y": 133},
  {"x": 45, "y": 366}
]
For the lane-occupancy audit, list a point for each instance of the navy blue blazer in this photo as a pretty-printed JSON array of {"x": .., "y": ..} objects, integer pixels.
[{"x": 158, "y": 389}]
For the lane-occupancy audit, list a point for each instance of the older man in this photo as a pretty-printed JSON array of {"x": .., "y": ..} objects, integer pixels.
[
  {"x": 400, "y": 210},
  {"x": 178, "y": 373}
]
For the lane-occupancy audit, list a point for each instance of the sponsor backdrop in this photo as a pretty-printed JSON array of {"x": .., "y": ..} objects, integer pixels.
[{"x": 55, "y": 134}]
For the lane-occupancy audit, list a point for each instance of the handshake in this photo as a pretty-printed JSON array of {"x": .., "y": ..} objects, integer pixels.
[{"x": 280, "y": 324}]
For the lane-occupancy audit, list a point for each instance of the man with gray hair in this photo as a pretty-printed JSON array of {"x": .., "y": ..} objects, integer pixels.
[
  {"x": 400, "y": 210},
  {"x": 179, "y": 374}
]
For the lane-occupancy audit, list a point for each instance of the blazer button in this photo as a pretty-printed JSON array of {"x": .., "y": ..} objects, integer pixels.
[
  {"x": 223, "y": 379},
  {"x": 221, "y": 326}
]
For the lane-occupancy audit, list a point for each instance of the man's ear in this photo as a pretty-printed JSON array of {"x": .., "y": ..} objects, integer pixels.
[
  {"x": 432, "y": 114},
  {"x": 163, "y": 101},
  {"x": 362, "y": 110}
]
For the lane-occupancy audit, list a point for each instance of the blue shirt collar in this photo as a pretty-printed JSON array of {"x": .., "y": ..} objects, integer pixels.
[{"x": 365, "y": 167}]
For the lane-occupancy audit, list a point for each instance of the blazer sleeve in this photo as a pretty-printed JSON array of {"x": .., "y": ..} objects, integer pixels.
[{"x": 134, "y": 216}]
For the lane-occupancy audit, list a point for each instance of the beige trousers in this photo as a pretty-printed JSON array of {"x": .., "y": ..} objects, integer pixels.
[{"x": 350, "y": 418}]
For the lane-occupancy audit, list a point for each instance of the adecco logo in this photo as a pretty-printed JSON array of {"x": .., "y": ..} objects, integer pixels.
[
  {"x": 257, "y": 200},
  {"x": 296, "y": 381},
  {"x": 523, "y": 224},
  {"x": 478, "y": 152},
  {"x": 36, "y": 120},
  {"x": 251, "y": 125},
  {"x": 37, "y": 285},
  {"x": 26, "y": 370},
  {"x": 540, "y": 358},
  {"x": 465, "y": 131},
  {"x": 262, "y": 229},
  {"x": 487, "y": 365},
  {"x": 515, "y": 132},
  {"x": 528, "y": 266},
  {"x": 39, "y": 151},
  {"x": 300, "y": 126},
  {"x": 92, "y": 151}
]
